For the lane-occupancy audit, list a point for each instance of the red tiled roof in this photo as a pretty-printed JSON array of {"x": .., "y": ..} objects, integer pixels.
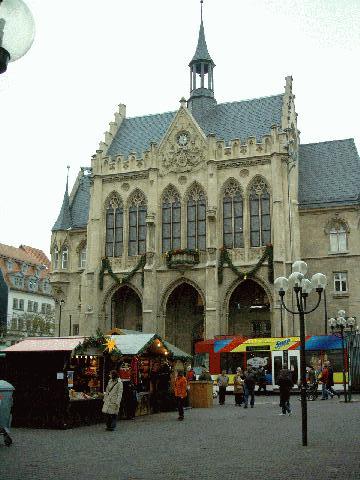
[
  {"x": 46, "y": 344},
  {"x": 37, "y": 254}
]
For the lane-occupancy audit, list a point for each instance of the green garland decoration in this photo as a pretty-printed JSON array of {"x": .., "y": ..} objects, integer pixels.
[
  {"x": 225, "y": 258},
  {"x": 105, "y": 266},
  {"x": 178, "y": 251},
  {"x": 97, "y": 341}
]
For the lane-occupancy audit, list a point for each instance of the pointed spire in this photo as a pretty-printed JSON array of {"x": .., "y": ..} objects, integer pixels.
[
  {"x": 64, "y": 221},
  {"x": 201, "y": 53}
]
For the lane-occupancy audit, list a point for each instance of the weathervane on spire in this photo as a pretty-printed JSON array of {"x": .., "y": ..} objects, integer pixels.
[
  {"x": 67, "y": 176},
  {"x": 201, "y": 2}
]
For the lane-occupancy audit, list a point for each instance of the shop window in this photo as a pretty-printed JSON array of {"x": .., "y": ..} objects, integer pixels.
[
  {"x": 171, "y": 220},
  {"x": 260, "y": 221},
  {"x": 137, "y": 224},
  {"x": 196, "y": 219},
  {"x": 233, "y": 216},
  {"x": 340, "y": 282},
  {"x": 114, "y": 227}
]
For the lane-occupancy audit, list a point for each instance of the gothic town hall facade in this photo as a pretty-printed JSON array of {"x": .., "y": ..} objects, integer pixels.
[{"x": 184, "y": 218}]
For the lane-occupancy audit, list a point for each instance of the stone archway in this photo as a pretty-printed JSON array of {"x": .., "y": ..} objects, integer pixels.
[
  {"x": 184, "y": 317},
  {"x": 249, "y": 310},
  {"x": 126, "y": 309}
]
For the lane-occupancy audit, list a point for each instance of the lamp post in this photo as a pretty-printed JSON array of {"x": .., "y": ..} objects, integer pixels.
[
  {"x": 301, "y": 287},
  {"x": 60, "y": 303},
  {"x": 17, "y": 31},
  {"x": 340, "y": 323}
]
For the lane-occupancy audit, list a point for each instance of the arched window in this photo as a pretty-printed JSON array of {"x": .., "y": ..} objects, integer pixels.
[
  {"x": 171, "y": 220},
  {"x": 260, "y": 222},
  {"x": 137, "y": 224},
  {"x": 338, "y": 238},
  {"x": 64, "y": 257},
  {"x": 233, "y": 216},
  {"x": 196, "y": 219},
  {"x": 56, "y": 258},
  {"x": 114, "y": 227}
]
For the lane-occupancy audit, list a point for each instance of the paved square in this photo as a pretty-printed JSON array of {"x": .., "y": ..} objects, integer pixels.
[{"x": 225, "y": 442}]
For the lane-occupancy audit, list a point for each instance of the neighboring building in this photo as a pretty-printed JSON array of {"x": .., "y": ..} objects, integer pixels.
[
  {"x": 206, "y": 176},
  {"x": 26, "y": 302}
]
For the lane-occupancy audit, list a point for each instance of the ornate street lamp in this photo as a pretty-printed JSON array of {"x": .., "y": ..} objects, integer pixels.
[
  {"x": 302, "y": 287},
  {"x": 17, "y": 31},
  {"x": 340, "y": 323},
  {"x": 60, "y": 303}
]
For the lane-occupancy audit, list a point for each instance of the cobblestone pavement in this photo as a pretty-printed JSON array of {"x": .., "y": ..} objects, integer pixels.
[{"x": 225, "y": 442}]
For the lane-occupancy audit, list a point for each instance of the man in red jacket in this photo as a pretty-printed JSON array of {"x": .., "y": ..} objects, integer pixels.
[{"x": 180, "y": 393}]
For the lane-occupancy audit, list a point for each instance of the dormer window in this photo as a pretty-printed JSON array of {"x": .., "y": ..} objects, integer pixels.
[
  {"x": 46, "y": 287},
  {"x": 24, "y": 268},
  {"x": 18, "y": 281},
  {"x": 33, "y": 284},
  {"x": 9, "y": 265}
]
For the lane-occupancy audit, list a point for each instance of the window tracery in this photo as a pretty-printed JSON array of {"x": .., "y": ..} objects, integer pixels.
[
  {"x": 196, "y": 218},
  {"x": 171, "y": 219},
  {"x": 137, "y": 223},
  {"x": 114, "y": 229},
  {"x": 260, "y": 221},
  {"x": 233, "y": 216}
]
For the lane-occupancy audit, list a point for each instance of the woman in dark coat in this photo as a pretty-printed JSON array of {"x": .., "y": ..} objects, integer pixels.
[{"x": 285, "y": 383}]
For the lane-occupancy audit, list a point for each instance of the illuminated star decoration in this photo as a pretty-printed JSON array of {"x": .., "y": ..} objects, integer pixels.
[{"x": 110, "y": 344}]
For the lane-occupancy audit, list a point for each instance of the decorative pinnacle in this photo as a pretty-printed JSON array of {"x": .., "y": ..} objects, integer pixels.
[{"x": 201, "y": 2}]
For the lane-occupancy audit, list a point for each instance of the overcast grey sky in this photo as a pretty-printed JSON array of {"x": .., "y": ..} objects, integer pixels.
[{"x": 89, "y": 56}]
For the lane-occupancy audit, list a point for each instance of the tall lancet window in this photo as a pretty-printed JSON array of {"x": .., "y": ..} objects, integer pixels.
[
  {"x": 260, "y": 222},
  {"x": 196, "y": 219},
  {"x": 114, "y": 227},
  {"x": 233, "y": 236},
  {"x": 137, "y": 224},
  {"x": 171, "y": 220}
]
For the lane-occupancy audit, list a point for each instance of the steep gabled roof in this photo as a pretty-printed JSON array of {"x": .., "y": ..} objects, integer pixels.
[
  {"x": 226, "y": 120},
  {"x": 329, "y": 174}
]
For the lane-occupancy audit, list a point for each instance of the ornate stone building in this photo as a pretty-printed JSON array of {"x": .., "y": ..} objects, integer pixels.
[{"x": 179, "y": 186}]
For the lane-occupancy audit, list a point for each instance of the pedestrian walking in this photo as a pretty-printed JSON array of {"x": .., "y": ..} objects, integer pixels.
[
  {"x": 180, "y": 392},
  {"x": 249, "y": 388},
  {"x": 323, "y": 378},
  {"x": 238, "y": 387},
  {"x": 130, "y": 399},
  {"x": 286, "y": 384},
  {"x": 330, "y": 382},
  {"x": 223, "y": 382},
  {"x": 262, "y": 380},
  {"x": 112, "y": 400}
]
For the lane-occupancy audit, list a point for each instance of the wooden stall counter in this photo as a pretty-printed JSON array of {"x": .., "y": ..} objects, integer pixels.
[{"x": 201, "y": 394}]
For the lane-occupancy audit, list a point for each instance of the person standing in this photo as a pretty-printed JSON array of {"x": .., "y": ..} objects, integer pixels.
[
  {"x": 112, "y": 400},
  {"x": 238, "y": 387},
  {"x": 223, "y": 382},
  {"x": 205, "y": 375},
  {"x": 286, "y": 384},
  {"x": 180, "y": 392},
  {"x": 249, "y": 388},
  {"x": 330, "y": 381}
]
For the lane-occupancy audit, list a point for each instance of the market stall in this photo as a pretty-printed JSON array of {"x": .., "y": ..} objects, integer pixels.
[{"x": 60, "y": 381}]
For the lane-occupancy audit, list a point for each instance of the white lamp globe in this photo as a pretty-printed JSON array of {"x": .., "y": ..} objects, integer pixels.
[
  {"x": 281, "y": 284},
  {"x": 319, "y": 280},
  {"x": 306, "y": 286},
  {"x": 332, "y": 322},
  {"x": 341, "y": 313},
  {"x": 351, "y": 321},
  {"x": 17, "y": 31},
  {"x": 300, "y": 266},
  {"x": 295, "y": 279},
  {"x": 341, "y": 321}
]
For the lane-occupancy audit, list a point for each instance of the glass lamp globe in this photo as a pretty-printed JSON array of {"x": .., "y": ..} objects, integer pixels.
[
  {"x": 341, "y": 313},
  {"x": 332, "y": 322},
  {"x": 306, "y": 286},
  {"x": 341, "y": 321},
  {"x": 319, "y": 280},
  {"x": 17, "y": 31},
  {"x": 300, "y": 266},
  {"x": 295, "y": 279},
  {"x": 281, "y": 284},
  {"x": 351, "y": 321}
]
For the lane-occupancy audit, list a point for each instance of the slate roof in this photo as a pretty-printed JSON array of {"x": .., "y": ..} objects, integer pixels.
[
  {"x": 329, "y": 174},
  {"x": 75, "y": 214},
  {"x": 226, "y": 120}
]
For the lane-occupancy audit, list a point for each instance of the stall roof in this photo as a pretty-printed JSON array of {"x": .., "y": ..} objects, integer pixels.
[
  {"x": 46, "y": 344},
  {"x": 176, "y": 352},
  {"x": 134, "y": 343}
]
